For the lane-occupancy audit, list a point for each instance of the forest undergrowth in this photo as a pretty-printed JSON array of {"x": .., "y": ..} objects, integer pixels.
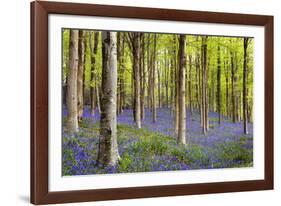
[{"x": 154, "y": 147}]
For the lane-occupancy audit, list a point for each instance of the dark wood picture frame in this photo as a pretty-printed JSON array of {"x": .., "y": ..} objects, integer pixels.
[{"x": 39, "y": 102}]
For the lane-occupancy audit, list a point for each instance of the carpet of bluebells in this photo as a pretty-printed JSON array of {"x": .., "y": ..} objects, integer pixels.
[{"x": 154, "y": 147}]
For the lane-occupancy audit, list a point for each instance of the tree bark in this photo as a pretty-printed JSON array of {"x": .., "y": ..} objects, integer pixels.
[
  {"x": 143, "y": 79},
  {"x": 166, "y": 73},
  {"x": 153, "y": 82},
  {"x": 159, "y": 84},
  {"x": 197, "y": 85},
  {"x": 72, "y": 113},
  {"x": 94, "y": 50},
  {"x": 233, "y": 87},
  {"x": 108, "y": 150},
  {"x": 204, "y": 94},
  {"x": 245, "y": 95},
  {"x": 176, "y": 103},
  {"x": 181, "y": 96},
  {"x": 136, "y": 68},
  {"x": 172, "y": 86},
  {"x": 190, "y": 84},
  {"x": 219, "y": 86},
  {"x": 149, "y": 65},
  {"x": 98, "y": 96},
  {"x": 227, "y": 88},
  {"x": 80, "y": 74},
  {"x": 122, "y": 75},
  {"x": 213, "y": 91},
  {"x": 118, "y": 72}
]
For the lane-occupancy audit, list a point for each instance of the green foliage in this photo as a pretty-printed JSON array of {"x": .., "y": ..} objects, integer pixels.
[
  {"x": 191, "y": 154},
  {"x": 179, "y": 153},
  {"x": 125, "y": 162},
  {"x": 234, "y": 151},
  {"x": 68, "y": 157},
  {"x": 151, "y": 145},
  {"x": 195, "y": 154}
]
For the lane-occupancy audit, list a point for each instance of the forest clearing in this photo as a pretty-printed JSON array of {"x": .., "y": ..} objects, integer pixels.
[{"x": 142, "y": 102}]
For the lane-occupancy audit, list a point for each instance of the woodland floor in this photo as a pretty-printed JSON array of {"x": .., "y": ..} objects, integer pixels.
[{"x": 154, "y": 147}]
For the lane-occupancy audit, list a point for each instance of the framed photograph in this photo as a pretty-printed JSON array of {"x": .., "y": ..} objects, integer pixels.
[{"x": 131, "y": 102}]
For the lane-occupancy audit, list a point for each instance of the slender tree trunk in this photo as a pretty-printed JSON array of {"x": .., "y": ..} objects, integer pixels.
[
  {"x": 94, "y": 50},
  {"x": 197, "y": 64},
  {"x": 245, "y": 95},
  {"x": 72, "y": 114},
  {"x": 136, "y": 68},
  {"x": 159, "y": 84},
  {"x": 122, "y": 74},
  {"x": 149, "y": 73},
  {"x": 166, "y": 75},
  {"x": 154, "y": 115},
  {"x": 190, "y": 84},
  {"x": 172, "y": 86},
  {"x": 143, "y": 80},
  {"x": 204, "y": 85},
  {"x": 213, "y": 91},
  {"x": 118, "y": 72},
  {"x": 203, "y": 60},
  {"x": 227, "y": 88},
  {"x": 206, "y": 118},
  {"x": 176, "y": 87},
  {"x": 108, "y": 150},
  {"x": 133, "y": 91},
  {"x": 80, "y": 74},
  {"x": 219, "y": 85},
  {"x": 181, "y": 96},
  {"x": 233, "y": 88},
  {"x": 200, "y": 74},
  {"x": 98, "y": 96},
  {"x": 86, "y": 41}
]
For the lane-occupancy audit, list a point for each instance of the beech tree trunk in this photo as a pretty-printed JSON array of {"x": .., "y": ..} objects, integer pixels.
[
  {"x": 80, "y": 75},
  {"x": 143, "y": 79},
  {"x": 153, "y": 82},
  {"x": 94, "y": 50},
  {"x": 181, "y": 96},
  {"x": 176, "y": 103},
  {"x": 72, "y": 113},
  {"x": 227, "y": 87},
  {"x": 136, "y": 68},
  {"x": 120, "y": 77},
  {"x": 118, "y": 72},
  {"x": 108, "y": 149},
  {"x": 197, "y": 85},
  {"x": 166, "y": 75},
  {"x": 245, "y": 95},
  {"x": 233, "y": 88},
  {"x": 159, "y": 84},
  {"x": 190, "y": 85},
  {"x": 219, "y": 85},
  {"x": 213, "y": 91},
  {"x": 149, "y": 65},
  {"x": 172, "y": 86},
  {"x": 204, "y": 93},
  {"x": 98, "y": 95}
]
